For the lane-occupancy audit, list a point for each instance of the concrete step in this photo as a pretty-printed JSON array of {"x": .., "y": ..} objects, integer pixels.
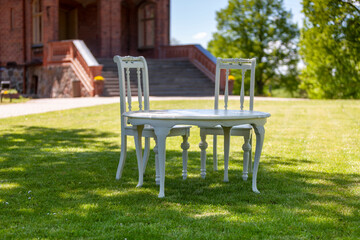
[{"x": 167, "y": 77}]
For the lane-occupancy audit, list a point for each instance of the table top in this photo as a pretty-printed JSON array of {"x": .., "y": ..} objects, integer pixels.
[{"x": 196, "y": 114}]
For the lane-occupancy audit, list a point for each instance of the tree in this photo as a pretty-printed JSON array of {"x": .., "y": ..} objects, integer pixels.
[
  {"x": 330, "y": 46},
  {"x": 260, "y": 29}
]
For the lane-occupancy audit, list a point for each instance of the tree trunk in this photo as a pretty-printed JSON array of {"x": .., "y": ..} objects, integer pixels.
[
  {"x": 259, "y": 87},
  {"x": 259, "y": 82}
]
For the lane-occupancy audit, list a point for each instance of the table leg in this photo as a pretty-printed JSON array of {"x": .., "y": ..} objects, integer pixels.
[
  {"x": 260, "y": 133},
  {"x": 138, "y": 148},
  {"x": 161, "y": 134},
  {"x": 226, "y": 152}
]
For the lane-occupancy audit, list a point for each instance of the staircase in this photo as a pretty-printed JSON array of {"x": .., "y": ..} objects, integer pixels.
[
  {"x": 167, "y": 77},
  {"x": 110, "y": 73}
]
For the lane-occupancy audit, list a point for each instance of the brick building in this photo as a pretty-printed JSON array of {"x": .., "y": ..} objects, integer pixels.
[{"x": 39, "y": 55}]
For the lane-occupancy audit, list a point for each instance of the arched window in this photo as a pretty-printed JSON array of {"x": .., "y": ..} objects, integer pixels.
[
  {"x": 37, "y": 21},
  {"x": 146, "y": 25}
]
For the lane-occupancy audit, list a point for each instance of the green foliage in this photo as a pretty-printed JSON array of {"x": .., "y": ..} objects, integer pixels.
[
  {"x": 57, "y": 178},
  {"x": 260, "y": 29},
  {"x": 330, "y": 46}
]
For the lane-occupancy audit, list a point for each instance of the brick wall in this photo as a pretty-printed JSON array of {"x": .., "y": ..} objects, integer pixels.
[
  {"x": 88, "y": 25},
  {"x": 11, "y": 32},
  {"x": 14, "y": 46},
  {"x": 163, "y": 23},
  {"x": 50, "y": 20},
  {"x": 109, "y": 27}
]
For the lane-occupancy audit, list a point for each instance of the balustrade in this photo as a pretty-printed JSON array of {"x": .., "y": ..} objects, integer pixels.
[{"x": 69, "y": 53}]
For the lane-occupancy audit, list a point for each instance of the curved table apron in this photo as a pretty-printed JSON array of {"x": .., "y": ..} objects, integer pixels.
[{"x": 163, "y": 120}]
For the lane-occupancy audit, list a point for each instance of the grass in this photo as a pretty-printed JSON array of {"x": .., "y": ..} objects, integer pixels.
[
  {"x": 57, "y": 178},
  {"x": 21, "y": 99}
]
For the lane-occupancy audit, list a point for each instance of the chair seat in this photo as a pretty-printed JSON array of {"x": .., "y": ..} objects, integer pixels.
[
  {"x": 148, "y": 131},
  {"x": 239, "y": 130},
  {"x": 244, "y": 126},
  {"x": 148, "y": 127}
]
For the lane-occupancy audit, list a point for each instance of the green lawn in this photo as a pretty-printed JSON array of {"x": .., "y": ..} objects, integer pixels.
[
  {"x": 14, "y": 100},
  {"x": 57, "y": 178}
]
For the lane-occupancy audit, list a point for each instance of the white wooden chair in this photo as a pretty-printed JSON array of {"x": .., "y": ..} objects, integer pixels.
[
  {"x": 241, "y": 130},
  {"x": 136, "y": 67}
]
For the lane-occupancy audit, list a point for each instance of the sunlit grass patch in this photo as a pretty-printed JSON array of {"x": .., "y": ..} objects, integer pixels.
[
  {"x": 57, "y": 178},
  {"x": 12, "y": 169},
  {"x": 7, "y": 186}
]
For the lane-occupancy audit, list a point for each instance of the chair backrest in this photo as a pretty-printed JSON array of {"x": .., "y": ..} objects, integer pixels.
[
  {"x": 132, "y": 67},
  {"x": 235, "y": 63}
]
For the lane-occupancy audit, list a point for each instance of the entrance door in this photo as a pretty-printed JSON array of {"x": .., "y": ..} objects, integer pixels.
[
  {"x": 68, "y": 24},
  {"x": 34, "y": 85},
  {"x": 125, "y": 30}
]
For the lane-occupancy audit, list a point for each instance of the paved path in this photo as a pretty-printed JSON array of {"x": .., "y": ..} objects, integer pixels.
[
  {"x": 55, "y": 104},
  {"x": 51, "y": 104}
]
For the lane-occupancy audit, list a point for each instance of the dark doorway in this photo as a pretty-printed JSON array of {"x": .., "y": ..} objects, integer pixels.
[
  {"x": 68, "y": 23},
  {"x": 34, "y": 85},
  {"x": 125, "y": 29}
]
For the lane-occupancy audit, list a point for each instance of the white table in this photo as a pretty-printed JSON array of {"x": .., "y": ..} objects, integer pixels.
[{"x": 164, "y": 120}]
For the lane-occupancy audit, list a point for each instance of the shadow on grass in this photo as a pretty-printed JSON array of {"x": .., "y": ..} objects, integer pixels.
[{"x": 65, "y": 179}]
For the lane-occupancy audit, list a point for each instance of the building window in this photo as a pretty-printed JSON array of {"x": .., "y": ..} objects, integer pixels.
[
  {"x": 146, "y": 27},
  {"x": 37, "y": 21}
]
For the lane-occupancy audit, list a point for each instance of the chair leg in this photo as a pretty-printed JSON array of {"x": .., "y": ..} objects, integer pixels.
[
  {"x": 247, "y": 149},
  {"x": 122, "y": 157},
  {"x": 250, "y": 153},
  {"x": 146, "y": 152},
  {"x": 185, "y": 146},
  {"x": 215, "y": 159},
  {"x": 138, "y": 148},
  {"x": 226, "y": 152},
  {"x": 203, "y": 145},
  {"x": 157, "y": 170}
]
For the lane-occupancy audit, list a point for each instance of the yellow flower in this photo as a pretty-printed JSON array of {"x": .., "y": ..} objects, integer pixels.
[
  {"x": 231, "y": 77},
  {"x": 99, "y": 78}
]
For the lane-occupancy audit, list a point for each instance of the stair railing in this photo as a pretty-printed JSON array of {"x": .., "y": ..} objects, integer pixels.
[{"x": 74, "y": 53}]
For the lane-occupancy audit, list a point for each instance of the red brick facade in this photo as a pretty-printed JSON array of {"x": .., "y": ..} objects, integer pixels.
[
  {"x": 108, "y": 27},
  {"x": 12, "y": 40}
]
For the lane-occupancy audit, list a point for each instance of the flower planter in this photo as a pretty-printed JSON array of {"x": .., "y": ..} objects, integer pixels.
[
  {"x": 76, "y": 89},
  {"x": 99, "y": 88}
]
